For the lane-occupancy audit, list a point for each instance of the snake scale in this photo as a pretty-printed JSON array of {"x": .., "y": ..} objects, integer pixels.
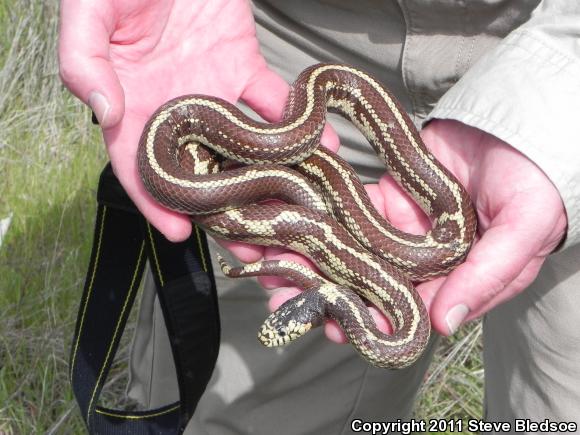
[{"x": 325, "y": 213}]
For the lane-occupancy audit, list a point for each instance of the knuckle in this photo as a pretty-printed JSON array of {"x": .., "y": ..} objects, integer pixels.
[
  {"x": 492, "y": 285},
  {"x": 67, "y": 71}
]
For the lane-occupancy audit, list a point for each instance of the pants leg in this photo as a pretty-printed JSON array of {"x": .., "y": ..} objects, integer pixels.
[
  {"x": 532, "y": 348},
  {"x": 309, "y": 387}
]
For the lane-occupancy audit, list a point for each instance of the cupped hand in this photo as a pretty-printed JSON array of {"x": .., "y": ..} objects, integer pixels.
[
  {"x": 521, "y": 221},
  {"x": 125, "y": 58}
]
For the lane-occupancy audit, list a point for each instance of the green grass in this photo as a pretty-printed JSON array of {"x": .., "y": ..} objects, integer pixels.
[
  {"x": 453, "y": 388},
  {"x": 50, "y": 158}
]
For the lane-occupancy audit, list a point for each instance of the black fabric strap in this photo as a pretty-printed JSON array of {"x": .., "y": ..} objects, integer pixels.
[{"x": 123, "y": 242}]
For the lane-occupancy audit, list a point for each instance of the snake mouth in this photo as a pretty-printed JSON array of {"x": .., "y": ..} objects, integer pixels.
[{"x": 277, "y": 334}]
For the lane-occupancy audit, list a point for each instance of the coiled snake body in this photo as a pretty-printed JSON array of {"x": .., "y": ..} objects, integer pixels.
[{"x": 327, "y": 215}]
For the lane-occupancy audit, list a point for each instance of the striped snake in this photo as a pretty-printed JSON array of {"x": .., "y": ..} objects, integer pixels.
[{"x": 326, "y": 214}]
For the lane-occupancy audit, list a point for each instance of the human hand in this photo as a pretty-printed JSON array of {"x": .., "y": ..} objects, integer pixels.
[
  {"x": 126, "y": 58},
  {"x": 521, "y": 220}
]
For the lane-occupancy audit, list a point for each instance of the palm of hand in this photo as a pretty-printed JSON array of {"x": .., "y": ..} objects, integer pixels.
[
  {"x": 161, "y": 50},
  {"x": 127, "y": 58}
]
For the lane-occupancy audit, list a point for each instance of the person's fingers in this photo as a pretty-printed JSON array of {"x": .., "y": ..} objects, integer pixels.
[
  {"x": 335, "y": 333},
  {"x": 400, "y": 209},
  {"x": 428, "y": 290},
  {"x": 376, "y": 196},
  {"x": 494, "y": 262},
  {"x": 174, "y": 226},
  {"x": 244, "y": 252},
  {"x": 523, "y": 280},
  {"x": 84, "y": 63},
  {"x": 330, "y": 138},
  {"x": 273, "y": 253},
  {"x": 281, "y": 295},
  {"x": 122, "y": 147},
  {"x": 381, "y": 322},
  {"x": 267, "y": 92}
]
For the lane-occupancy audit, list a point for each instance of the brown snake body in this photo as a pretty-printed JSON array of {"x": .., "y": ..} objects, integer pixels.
[{"x": 329, "y": 217}]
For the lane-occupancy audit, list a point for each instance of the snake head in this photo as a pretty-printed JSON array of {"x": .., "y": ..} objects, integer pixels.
[{"x": 292, "y": 320}]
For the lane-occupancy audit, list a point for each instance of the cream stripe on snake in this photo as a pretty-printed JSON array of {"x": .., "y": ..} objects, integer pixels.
[
  {"x": 350, "y": 186},
  {"x": 268, "y": 230}
]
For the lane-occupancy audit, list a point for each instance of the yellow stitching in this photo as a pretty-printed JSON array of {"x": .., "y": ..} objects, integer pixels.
[
  {"x": 97, "y": 255},
  {"x": 132, "y": 288},
  {"x": 138, "y": 417},
  {"x": 200, "y": 245},
  {"x": 155, "y": 254}
]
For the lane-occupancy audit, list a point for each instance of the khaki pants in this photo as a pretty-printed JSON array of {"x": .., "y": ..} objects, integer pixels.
[{"x": 314, "y": 387}]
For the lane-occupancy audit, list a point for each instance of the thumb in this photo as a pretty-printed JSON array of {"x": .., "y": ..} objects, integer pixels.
[
  {"x": 267, "y": 92},
  {"x": 493, "y": 263},
  {"x": 84, "y": 64}
]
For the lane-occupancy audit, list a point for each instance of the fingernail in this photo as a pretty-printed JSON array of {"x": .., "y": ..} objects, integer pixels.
[
  {"x": 455, "y": 316},
  {"x": 100, "y": 106}
]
